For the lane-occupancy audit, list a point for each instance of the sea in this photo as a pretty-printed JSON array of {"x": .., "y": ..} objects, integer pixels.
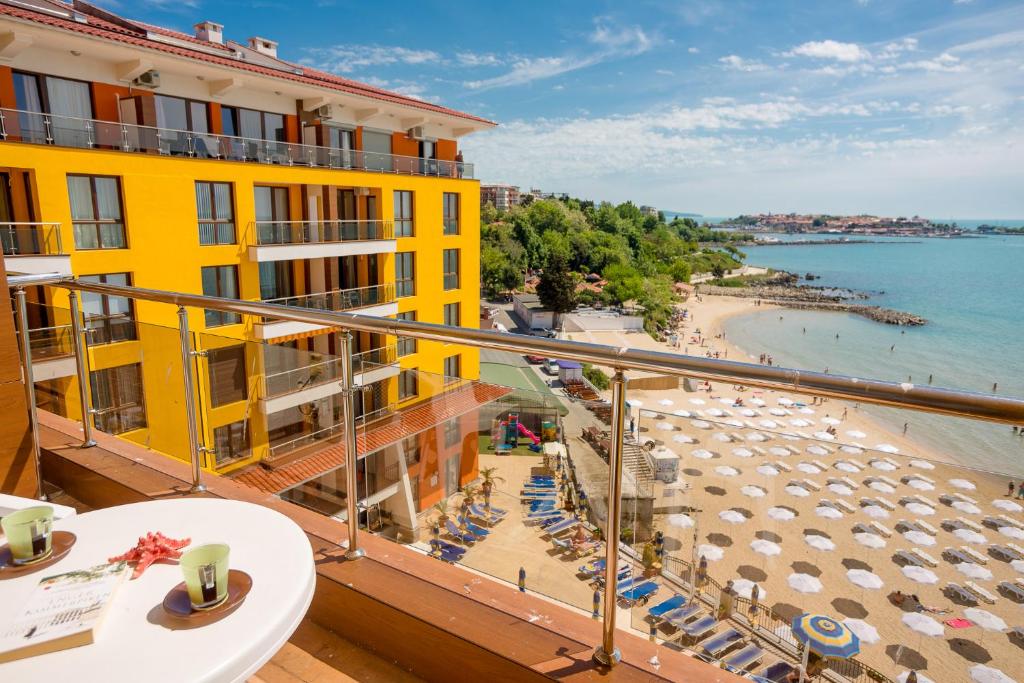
[{"x": 971, "y": 291}]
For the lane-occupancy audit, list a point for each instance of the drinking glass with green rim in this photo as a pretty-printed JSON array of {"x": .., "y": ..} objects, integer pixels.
[
  {"x": 205, "y": 569},
  {"x": 29, "y": 533}
]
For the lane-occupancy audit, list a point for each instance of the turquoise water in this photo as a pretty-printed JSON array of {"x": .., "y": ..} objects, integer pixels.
[{"x": 968, "y": 289}]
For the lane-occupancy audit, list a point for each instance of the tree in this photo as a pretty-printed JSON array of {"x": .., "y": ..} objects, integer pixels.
[
  {"x": 624, "y": 284},
  {"x": 718, "y": 270},
  {"x": 557, "y": 286}
]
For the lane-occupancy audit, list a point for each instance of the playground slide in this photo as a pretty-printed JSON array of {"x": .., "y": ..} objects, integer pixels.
[{"x": 528, "y": 434}]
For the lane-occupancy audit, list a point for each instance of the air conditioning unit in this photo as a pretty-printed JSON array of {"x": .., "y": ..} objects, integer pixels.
[
  {"x": 416, "y": 132},
  {"x": 323, "y": 112},
  {"x": 148, "y": 79}
]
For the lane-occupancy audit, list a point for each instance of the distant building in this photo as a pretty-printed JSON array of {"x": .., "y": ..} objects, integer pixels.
[
  {"x": 501, "y": 195},
  {"x": 649, "y": 211},
  {"x": 532, "y": 312}
]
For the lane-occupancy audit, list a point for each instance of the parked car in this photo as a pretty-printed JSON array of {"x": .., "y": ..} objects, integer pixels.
[{"x": 535, "y": 360}]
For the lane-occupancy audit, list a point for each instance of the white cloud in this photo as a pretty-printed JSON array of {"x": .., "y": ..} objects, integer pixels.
[
  {"x": 896, "y": 48},
  {"x": 664, "y": 72},
  {"x": 348, "y": 58},
  {"x": 830, "y": 49},
  {"x": 737, "y": 63},
  {"x": 693, "y": 50},
  {"x": 945, "y": 62},
  {"x": 625, "y": 39},
  {"x": 473, "y": 59}
]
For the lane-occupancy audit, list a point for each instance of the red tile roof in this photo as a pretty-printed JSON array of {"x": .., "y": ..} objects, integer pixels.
[
  {"x": 404, "y": 424},
  {"x": 98, "y": 27}
]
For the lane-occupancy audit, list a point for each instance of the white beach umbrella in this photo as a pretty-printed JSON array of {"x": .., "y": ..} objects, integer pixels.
[
  {"x": 742, "y": 452},
  {"x": 715, "y": 412},
  {"x": 727, "y": 401},
  {"x": 702, "y": 453},
  {"x": 701, "y": 424},
  {"x": 648, "y": 413},
  {"x": 697, "y": 401},
  {"x": 732, "y": 422},
  {"x": 712, "y": 552},
  {"x": 778, "y": 412},
  {"x": 798, "y": 491},
  {"x": 744, "y": 587},
  {"x": 634, "y": 402},
  {"x": 683, "y": 438},
  {"x": 1018, "y": 566},
  {"x": 840, "y": 489},
  {"x": 722, "y": 437},
  {"x": 831, "y": 421},
  {"x": 815, "y": 449},
  {"x": 919, "y": 538},
  {"x": 922, "y": 464},
  {"x": 921, "y": 678},
  {"x": 863, "y": 630},
  {"x": 923, "y": 624},
  {"x": 789, "y": 436},
  {"x": 808, "y": 468},
  {"x": 680, "y": 520},
  {"x": 767, "y": 470},
  {"x": 1012, "y": 532},
  {"x": 919, "y": 574},
  {"x": 973, "y": 571},
  {"x": 985, "y": 619},
  {"x": 800, "y": 422},
  {"x": 752, "y": 491},
  {"x": 819, "y": 542},
  {"x": 970, "y": 536},
  {"x": 727, "y": 471},
  {"x": 965, "y": 507},
  {"x": 732, "y": 517},
  {"x": 768, "y": 424},
  {"x": 920, "y": 509},
  {"x": 767, "y": 548},
  {"x": 852, "y": 450},
  {"x": 828, "y": 512},
  {"x": 804, "y": 583},
  {"x": 747, "y": 412},
  {"x": 666, "y": 402},
  {"x": 824, "y": 436},
  {"x": 1007, "y": 506},
  {"x": 783, "y": 401},
  {"x": 682, "y": 413},
  {"x": 920, "y": 485},
  {"x": 780, "y": 514},
  {"x": 779, "y": 451},
  {"x": 875, "y": 511},
  {"x": 757, "y": 436},
  {"x": 844, "y": 466},
  {"x": 886, "y": 448},
  {"x": 807, "y": 411},
  {"x": 856, "y": 434},
  {"x": 757, "y": 402},
  {"x": 883, "y": 465},
  {"x": 869, "y": 540},
  {"x": 664, "y": 426},
  {"x": 864, "y": 579},
  {"x": 986, "y": 674},
  {"x": 962, "y": 484},
  {"x": 881, "y": 487}
]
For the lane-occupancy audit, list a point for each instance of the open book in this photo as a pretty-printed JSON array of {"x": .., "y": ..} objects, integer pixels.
[{"x": 64, "y": 611}]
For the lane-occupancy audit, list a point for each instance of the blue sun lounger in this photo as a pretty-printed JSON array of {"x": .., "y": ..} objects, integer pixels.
[
  {"x": 721, "y": 642},
  {"x": 541, "y": 513},
  {"x": 475, "y": 529},
  {"x": 456, "y": 533},
  {"x": 526, "y": 494},
  {"x": 551, "y": 521},
  {"x": 700, "y": 628},
  {"x": 745, "y": 658},
  {"x": 666, "y": 606},
  {"x": 542, "y": 504},
  {"x": 640, "y": 593},
  {"x": 480, "y": 511},
  {"x": 561, "y": 527},
  {"x": 679, "y": 617},
  {"x": 442, "y": 545}
]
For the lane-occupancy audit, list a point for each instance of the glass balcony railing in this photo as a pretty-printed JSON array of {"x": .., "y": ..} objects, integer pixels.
[
  {"x": 31, "y": 239},
  {"x": 341, "y": 299},
  {"x": 320, "y": 232},
  {"x": 320, "y": 371},
  {"x": 67, "y": 131},
  {"x": 49, "y": 343}
]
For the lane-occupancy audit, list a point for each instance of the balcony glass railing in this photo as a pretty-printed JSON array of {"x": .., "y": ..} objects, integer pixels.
[
  {"x": 67, "y": 131},
  {"x": 320, "y": 232},
  {"x": 31, "y": 239},
  {"x": 321, "y": 371},
  {"x": 340, "y": 299},
  {"x": 49, "y": 343}
]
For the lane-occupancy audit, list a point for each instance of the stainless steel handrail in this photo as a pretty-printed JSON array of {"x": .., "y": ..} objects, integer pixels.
[{"x": 329, "y": 231}]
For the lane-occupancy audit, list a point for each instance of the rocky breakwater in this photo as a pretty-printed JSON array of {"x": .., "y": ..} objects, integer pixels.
[{"x": 816, "y": 298}]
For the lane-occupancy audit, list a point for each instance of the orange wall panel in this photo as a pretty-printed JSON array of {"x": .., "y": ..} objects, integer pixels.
[
  {"x": 7, "y": 98},
  {"x": 105, "y": 100},
  {"x": 291, "y": 128},
  {"x": 446, "y": 150},
  {"x": 403, "y": 145},
  {"x": 216, "y": 123}
]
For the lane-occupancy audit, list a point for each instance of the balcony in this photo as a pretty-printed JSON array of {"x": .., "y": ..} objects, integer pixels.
[
  {"x": 293, "y": 240},
  {"x": 68, "y": 131},
  {"x": 34, "y": 248},
  {"x": 375, "y": 300},
  {"x": 53, "y": 353}
]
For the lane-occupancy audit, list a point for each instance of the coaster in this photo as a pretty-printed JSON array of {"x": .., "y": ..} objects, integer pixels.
[
  {"x": 60, "y": 545},
  {"x": 177, "y": 605}
]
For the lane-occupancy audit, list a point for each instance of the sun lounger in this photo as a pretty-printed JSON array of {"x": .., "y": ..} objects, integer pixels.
[
  {"x": 561, "y": 527},
  {"x": 480, "y": 513},
  {"x": 775, "y": 672},
  {"x": 666, "y": 606},
  {"x": 700, "y": 628},
  {"x": 474, "y": 529},
  {"x": 679, "y": 617},
  {"x": 1016, "y": 548},
  {"x": 526, "y": 494},
  {"x": 456, "y": 533},
  {"x": 494, "y": 510},
  {"x": 783, "y": 466},
  {"x": 886, "y": 503},
  {"x": 440, "y": 545},
  {"x": 540, "y": 516},
  {"x": 545, "y": 523},
  {"x": 927, "y": 501},
  {"x": 983, "y": 594},
  {"x": 802, "y": 435},
  {"x": 1016, "y": 590},
  {"x": 862, "y": 528},
  {"x": 597, "y": 567},
  {"x": 640, "y": 593},
  {"x": 812, "y": 485},
  {"x": 759, "y": 450},
  {"x": 865, "y": 501},
  {"x": 880, "y": 529},
  {"x": 856, "y": 463},
  {"x": 925, "y": 557},
  {"x": 745, "y": 658},
  {"x": 969, "y": 524},
  {"x": 844, "y": 506},
  {"x": 974, "y": 554},
  {"x": 446, "y": 555},
  {"x": 819, "y": 464},
  {"x": 909, "y": 558},
  {"x": 721, "y": 642},
  {"x": 947, "y": 499},
  {"x": 956, "y": 555},
  {"x": 926, "y": 527},
  {"x": 892, "y": 462},
  {"x": 826, "y": 503},
  {"x": 904, "y": 525},
  {"x": 849, "y": 482},
  {"x": 1003, "y": 553},
  {"x": 735, "y": 436},
  {"x": 959, "y": 591}
]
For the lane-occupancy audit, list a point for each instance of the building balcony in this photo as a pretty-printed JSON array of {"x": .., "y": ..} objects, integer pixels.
[
  {"x": 34, "y": 248},
  {"x": 68, "y": 131},
  {"x": 375, "y": 300},
  {"x": 294, "y": 240},
  {"x": 53, "y": 352}
]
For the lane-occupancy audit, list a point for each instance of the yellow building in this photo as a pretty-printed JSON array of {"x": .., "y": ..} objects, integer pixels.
[{"x": 138, "y": 155}]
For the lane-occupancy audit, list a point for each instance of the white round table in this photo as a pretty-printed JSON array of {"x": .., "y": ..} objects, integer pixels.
[{"x": 136, "y": 642}]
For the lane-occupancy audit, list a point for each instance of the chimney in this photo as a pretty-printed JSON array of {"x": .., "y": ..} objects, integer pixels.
[
  {"x": 210, "y": 31},
  {"x": 263, "y": 46}
]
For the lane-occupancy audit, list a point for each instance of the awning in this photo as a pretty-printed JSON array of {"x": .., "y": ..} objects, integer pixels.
[{"x": 302, "y": 335}]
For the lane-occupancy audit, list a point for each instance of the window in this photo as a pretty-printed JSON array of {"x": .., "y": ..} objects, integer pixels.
[
  {"x": 451, "y": 269},
  {"x": 96, "y": 212},
  {"x": 276, "y": 280},
  {"x": 176, "y": 113},
  {"x": 452, "y": 314},
  {"x": 451, "y": 213},
  {"x": 108, "y": 319},
  {"x": 408, "y": 385},
  {"x": 377, "y": 150},
  {"x": 452, "y": 468},
  {"x": 216, "y": 213},
  {"x": 227, "y": 375},
  {"x": 248, "y": 123},
  {"x": 405, "y": 273},
  {"x": 452, "y": 368},
  {"x": 411, "y": 448},
  {"x": 406, "y": 345},
  {"x": 231, "y": 442},
  {"x": 403, "y": 213},
  {"x": 117, "y": 399},
  {"x": 342, "y": 139},
  {"x": 68, "y": 102},
  {"x": 272, "y": 214},
  {"x": 452, "y": 433},
  {"x": 221, "y": 281}
]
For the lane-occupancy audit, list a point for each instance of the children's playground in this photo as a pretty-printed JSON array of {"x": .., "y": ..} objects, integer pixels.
[{"x": 509, "y": 435}]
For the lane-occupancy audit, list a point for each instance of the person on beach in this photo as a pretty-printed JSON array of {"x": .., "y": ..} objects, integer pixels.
[
  {"x": 844, "y": 413},
  {"x": 892, "y": 348},
  {"x": 1010, "y": 494},
  {"x": 905, "y": 425},
  {"x": 1020, "y": 493}
]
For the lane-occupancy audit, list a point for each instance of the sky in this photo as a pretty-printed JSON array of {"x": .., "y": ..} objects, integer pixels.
[{"x": 717, "y": 107}]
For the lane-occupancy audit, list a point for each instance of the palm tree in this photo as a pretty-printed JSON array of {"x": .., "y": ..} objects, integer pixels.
[
  {"x": 489, "y": 476},
  {"x": 469, "y": 492},
  {"x": 441, "y": 507}
]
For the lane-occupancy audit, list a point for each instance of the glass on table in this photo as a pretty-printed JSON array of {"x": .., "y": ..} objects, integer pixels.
[
  {"x": 206, "y": 574},
  {"x": 29, "y": 533}
]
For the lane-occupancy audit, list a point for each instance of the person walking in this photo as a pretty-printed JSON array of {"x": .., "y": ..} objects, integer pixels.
[{"x": 1010, "y": 494}]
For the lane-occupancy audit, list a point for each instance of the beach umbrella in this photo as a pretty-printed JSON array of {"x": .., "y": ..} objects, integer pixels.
[
  {"x": 985, "y": 619},
  {"x": 831, "y": 421},
  {"x": 804, "y": 583},
  {"x": 970, "y": 536},
  {"x": 702, "y": 453},
  {"x": 683, "y": 438},
  {"x": 824, "y": 436},
  {"x": 733, "y": 422},
  {"x": 819, "y": 542},
  {"x": 697, "y": 401},
  {"x": 742, "y": 452},
  {"x": 920, "y": 485},
  {"x": 680, "y": 520},
  {"x": 783, "y": 401},
  {"x": 664, "y": 426},
  {"x": 919, "y": 538},
  {"x": 1012, "y": 532},
  {"x": 815, "y": 449},
  {"x": 920, "y": 509},
  {"x": 767, "y": 470},
  {"x": 919, "y": 574},
  {"x": 648, "y": 413},
  {"x": 865, "y": 631},
  {"x": 808, "y": 468},
  {"x": 856, "y": 434},
  {"x": 973, "y": 571},
  {"x": 715, "y": 412},
  {"x": 986, "y": 674},
  {"x": 778, "y": 412},
  {"x": 701, "y": 424},
  {"x": 745, "y": 587},
  {"x": 864, "y": 579},
  {"x": 682, "y": 413},
  {"x": 875, "y": 512},
  {"x": 712, "y": 553},
  {"x": 634, "y": 402},
  {"x": 722, "y": 436},
  {"x": 883, "y": 465},
  {"x": 767, "y": 548},
  {"x": 844, "y": 466},
  {"x": 798, "y": 491},
  {"x": 666, "y": 402},
  {"x": 825, "y": 636},
  {"x": 852, "y": 450},
  {"x": 768, "y": 424},
  {"x": 923, "y": 624},
  {"x": 757, "y": 436},
  {"x": 962, "y": 484},
  {"x": 921, "y": 678},
  {"x": 747, "y": 412},
  {"x": 800, "y": 422},
  {"x": 1018, "y": 566},
  {"x": 779, "y": 450},
  {"x": 790, "y": 436},
  {"x": 922, "y": 464},
  {"x": 881, "y": 487},
  {"x": 886, "y": 448},
  {"x": 828, "y": 512},
  {"x": 727, "y": 471},
  {"x": 965, "y": 507},
  {"x": 869, "y": 540},
  {"x": 757, "y": 402},
  {"x": 781, "y": 514},
  {"x": 727, "y": 401},
  {"x": 840, "y": 489},
  {"x": 1007, "y": 506},
  {"x": 732, "y": 517},
  {"x": 752, "y": 491}
]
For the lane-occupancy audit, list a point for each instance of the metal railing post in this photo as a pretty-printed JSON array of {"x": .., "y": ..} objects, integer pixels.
[
  {"x": 30, "y": 388},
  {"x": 195, "y": 451},
  {"x": 607, "y": 654},
  {"x": 348, "y": 419},
  {"x": 82, "y": 367}
]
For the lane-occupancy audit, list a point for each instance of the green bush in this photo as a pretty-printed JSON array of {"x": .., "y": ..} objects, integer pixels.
[{"x": 596, "y": 377}]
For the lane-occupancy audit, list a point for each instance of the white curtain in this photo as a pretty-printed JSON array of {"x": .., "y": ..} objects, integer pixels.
[{"x": 70, "y": 103}]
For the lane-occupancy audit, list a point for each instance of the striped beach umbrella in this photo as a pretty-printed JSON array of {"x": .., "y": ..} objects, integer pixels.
[{"x": 824, "y": 636}]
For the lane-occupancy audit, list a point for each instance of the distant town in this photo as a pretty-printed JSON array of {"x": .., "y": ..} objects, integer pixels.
[{"x": 915, "y": 226}]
